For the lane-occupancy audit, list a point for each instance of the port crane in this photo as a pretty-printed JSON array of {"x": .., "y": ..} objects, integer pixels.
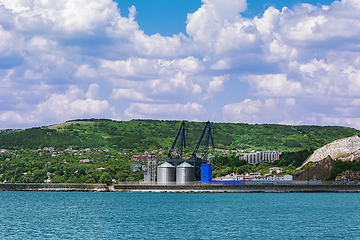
[
  {"x": 182, "y": 134},
  {"x": 203, "y": 168},
  {"x": 202, "y": 164}
]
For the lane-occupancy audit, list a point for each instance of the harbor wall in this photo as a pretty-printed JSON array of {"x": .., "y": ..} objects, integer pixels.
[
  {"x": 235, "y": 188},
  {"x": 68, "y": 187},
  {"x": 65, "y": 187}
]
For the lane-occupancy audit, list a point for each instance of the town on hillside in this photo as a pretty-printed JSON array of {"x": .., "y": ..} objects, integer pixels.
[{"x": 139, "y": 163}]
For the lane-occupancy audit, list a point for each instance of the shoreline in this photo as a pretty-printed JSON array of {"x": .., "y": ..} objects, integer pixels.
[{"x": 191, "y": 188}]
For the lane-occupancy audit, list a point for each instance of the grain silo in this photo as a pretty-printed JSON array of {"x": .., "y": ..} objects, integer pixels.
[
  {"x": 185, "y": 173},
  {"x": 165, "y": 173}
]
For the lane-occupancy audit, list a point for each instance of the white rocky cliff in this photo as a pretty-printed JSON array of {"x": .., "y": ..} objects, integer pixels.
[{"x": 345, "y": 149}]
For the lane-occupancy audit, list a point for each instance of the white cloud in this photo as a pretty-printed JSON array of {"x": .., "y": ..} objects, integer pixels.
[
  {"x": 302, "y": 63},
  {"x": 246, "y": 111},
  {"x": 274, "y": 85},
  {"x": 353, "y": 80},
  {"x": 131, "y": 94},
  {"x": 216, "y": 85},
  {"x": 67, "y": 16},
  {"x": 188, "y": 65},
  {"x": 85, "y": 71},
  {"x": 341, "y": 121},
  {"x": 355, "y": 102},
  {"x": 141, "y": 67},
  {"x": 12, "y": 116},
  {"x": 290, "y": 101},
  {"x": 272, "y": 110},
  {"x": 307, "y": 24},
  {"x": 266, "y": 24},
  {"x": 211, "y": 17},
  {"x": 218, "y": 27},
  {"x": 93, "y": 91},
  {"x": 5, "y": 79},
  {"x": 74, "y": 103},
  {"x": 221, "y": 65},
  {"x": 180, "y": 80},
  {"x": 61, "y": 107},
  {"x": 6, "y": 41},
  {"x": 160, "y": 46},
  {"x": 313, "y": 66},
  {"x": 171, "y": 111},
  {"x": 39, "y": 43}
]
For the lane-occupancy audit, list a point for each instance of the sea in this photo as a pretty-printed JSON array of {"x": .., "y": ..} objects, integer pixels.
[{"x": 90, "y": 215}]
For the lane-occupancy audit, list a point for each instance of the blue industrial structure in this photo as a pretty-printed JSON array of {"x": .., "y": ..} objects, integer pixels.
[{"x": 206, "y": 173}]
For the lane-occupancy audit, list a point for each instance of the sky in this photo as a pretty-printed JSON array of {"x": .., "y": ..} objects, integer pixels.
[{"x": 283, "y": 62}]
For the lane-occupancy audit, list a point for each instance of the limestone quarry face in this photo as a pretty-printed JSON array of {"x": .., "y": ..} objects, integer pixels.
[{"x": 345, "y": 149}]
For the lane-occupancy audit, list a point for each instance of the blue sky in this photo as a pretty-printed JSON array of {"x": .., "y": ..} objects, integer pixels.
[
  {"x": 287, "y": 62},
  {"x": 169, "y": 17}
]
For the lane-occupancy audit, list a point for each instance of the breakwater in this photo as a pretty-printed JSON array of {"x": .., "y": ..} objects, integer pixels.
[
  {"x": 235, "y": 188},
  {"x": 65, "y": 187},
  {"x": 218, "y": 188}
]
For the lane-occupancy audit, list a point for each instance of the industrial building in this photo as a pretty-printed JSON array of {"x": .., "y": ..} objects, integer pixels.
[
  {"x": 182, "y": 171},
  {"x": 138, "y": 167},
  {"x": 255, "y": 177},
  {"x": 261, "y": 156}
]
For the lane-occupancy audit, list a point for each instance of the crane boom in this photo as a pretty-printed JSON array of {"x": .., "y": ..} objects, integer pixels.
[
  {"x": 182, "y": 134},
  {"x": 210, "y": 136}
]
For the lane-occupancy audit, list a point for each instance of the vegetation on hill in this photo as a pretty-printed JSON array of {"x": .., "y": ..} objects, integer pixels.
[
  {"x": 341, "y": 166},
  {"x": 153, "y": 134},
  {"x": 23, "y": 164},
  {"x": 289, "y": 161}
]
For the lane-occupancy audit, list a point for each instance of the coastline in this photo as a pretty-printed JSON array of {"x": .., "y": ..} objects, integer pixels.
[{"x": 191, "y": 188}]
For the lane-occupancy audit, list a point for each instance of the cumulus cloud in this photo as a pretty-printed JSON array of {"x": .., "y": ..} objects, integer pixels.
[
  {"x": 74, "y": 103},
  {"x": 308, "y": 25},
  {"x": 272, "y": 110},
  {"x": 142, "y": 67},
  {"x": 85, "y": 71},
  {"x": 64, "y": 16},
  {"x": 216, "y": 85},
  {"x": 274, "y": 85},
  {"x": 61, "y": 107},
  {"x": 301, "y": 64},
  {"x": 211, "y": 17},
  {"x": 171, "y": 111},
  {"x": 221, "y": 65},
  {"x": 131, "y": 94}
]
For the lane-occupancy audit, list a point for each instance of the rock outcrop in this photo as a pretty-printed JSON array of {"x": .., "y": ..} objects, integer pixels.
[
  {"x": 345, "y": 149},
  {"x": 320, "y": 170}
]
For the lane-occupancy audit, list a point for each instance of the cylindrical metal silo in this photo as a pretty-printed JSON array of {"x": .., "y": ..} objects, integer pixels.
[
  {"x": 185, "y": 173},
  {"x": 165, "y": 173}
]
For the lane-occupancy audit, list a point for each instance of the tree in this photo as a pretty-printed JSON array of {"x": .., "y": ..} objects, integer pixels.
[
  {"x": 105, "y": 178},
  {"x": 39, "y": 175}
]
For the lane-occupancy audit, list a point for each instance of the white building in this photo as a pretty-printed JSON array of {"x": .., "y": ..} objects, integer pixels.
[
  {"x": 261, "y": 156},
  {"x": 277, "y": 169},
  {"x": 285, "y": 177}
]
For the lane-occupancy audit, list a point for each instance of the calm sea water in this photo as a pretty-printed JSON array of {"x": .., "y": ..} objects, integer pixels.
[{"x": 61, "y": 215}]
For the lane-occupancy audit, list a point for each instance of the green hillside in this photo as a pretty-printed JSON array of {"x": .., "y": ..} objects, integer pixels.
[
  {"x": 143, "y": 135},
  {"x": 110, "y": 141}
]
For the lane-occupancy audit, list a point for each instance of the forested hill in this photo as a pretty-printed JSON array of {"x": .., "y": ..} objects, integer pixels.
[{"x": 153, "y": 134}]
